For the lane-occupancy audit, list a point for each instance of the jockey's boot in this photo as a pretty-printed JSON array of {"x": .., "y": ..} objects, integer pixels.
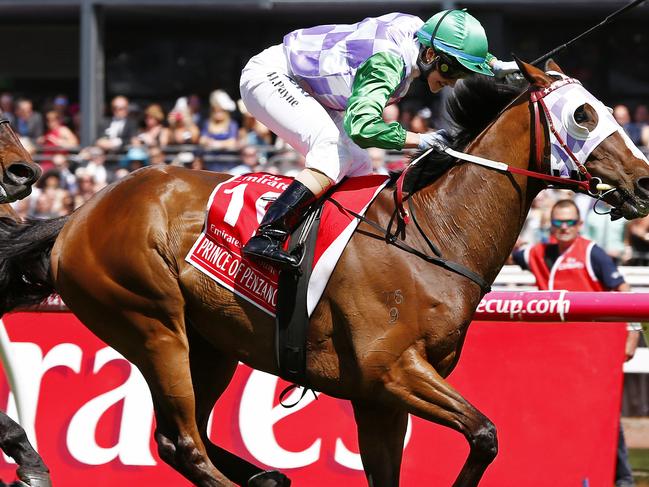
[{"x": 280, "y": 220}]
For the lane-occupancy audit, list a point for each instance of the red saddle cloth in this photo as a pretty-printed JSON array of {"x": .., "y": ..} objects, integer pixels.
[{"x": 234, "y": 211}]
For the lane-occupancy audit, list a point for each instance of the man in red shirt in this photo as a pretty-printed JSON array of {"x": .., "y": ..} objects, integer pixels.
[{"x": 573, "y": 263}]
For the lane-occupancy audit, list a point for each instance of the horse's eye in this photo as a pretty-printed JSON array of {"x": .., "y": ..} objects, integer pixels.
[{"x": 580, "y": 115}]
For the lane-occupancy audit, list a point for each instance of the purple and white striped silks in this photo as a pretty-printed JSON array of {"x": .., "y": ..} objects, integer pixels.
[{"x": 326, "y": 58}]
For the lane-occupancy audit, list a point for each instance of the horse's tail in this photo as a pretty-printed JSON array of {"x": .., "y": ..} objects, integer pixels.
[{"x": 25, "y": 248}]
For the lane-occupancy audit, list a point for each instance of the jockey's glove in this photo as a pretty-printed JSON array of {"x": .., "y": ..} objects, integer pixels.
[
  {"x": 503, "y": 68},
  {"x": 438, "y": 140}
]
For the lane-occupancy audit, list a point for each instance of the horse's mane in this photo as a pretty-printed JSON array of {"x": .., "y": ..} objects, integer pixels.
[{"x": 474, "y": 104}]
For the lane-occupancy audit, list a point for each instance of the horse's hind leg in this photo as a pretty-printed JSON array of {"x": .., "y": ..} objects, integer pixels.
[
  {"x": 381, "y": 431},
  {"x": 155, "y": 342},
  {"x": 211, "y": 373},
  {"x": 166, "y": 369},
  {"x": 424, "y": 393},
  {"x": 13, "y": 441}
]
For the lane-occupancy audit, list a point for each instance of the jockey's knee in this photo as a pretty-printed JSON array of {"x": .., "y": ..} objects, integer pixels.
[{"x": 316, "y": 181}]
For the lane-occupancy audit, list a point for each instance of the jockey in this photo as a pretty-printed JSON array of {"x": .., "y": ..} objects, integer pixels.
[{"x": 324, "y": 90}]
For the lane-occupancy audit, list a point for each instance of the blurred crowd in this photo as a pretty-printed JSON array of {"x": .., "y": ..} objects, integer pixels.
[{"x": 217, "y": 133}]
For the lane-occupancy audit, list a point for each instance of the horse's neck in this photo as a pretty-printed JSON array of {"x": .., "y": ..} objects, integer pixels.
[{"x": 475, "y": 214}]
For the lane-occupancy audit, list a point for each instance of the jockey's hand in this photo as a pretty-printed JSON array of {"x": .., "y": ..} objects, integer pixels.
[
  {"x": 503, "y": 68},
  {"x": 438, "y": 140}
]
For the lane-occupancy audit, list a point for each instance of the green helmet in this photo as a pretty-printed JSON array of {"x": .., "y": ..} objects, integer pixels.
[{"x": 459, "y": 35}]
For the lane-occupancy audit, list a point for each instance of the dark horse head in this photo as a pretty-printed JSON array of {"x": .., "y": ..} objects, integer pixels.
[{"x": 17, "y": 169}]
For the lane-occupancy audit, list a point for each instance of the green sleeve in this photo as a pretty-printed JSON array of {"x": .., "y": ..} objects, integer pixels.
[{"x": 375, "y": 81}]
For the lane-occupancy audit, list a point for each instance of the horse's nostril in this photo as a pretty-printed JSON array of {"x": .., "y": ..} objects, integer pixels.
[
  {"x": 21, "y": 173},
  {"x": 643, "y": 185}
]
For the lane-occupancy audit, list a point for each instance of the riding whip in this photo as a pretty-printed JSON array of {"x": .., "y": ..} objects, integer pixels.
[{"x": 608, "y": 19}]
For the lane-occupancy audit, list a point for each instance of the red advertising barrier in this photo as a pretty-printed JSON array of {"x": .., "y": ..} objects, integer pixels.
[{"x": 553, "y": 391}]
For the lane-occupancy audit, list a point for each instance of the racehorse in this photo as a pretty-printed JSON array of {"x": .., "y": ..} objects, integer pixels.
[
  {"x": 18, "y": 169},
  {"x": 19, "y": 172},
  {"x": 118, "y": 263}
]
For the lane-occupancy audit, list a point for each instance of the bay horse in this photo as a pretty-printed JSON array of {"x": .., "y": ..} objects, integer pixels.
[
  {"x": 19, "y": 172},
  {"x": 119, "y": 264}
]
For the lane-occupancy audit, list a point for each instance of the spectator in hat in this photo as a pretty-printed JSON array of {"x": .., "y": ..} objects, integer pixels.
[
  {"x": 154, "y": 133},
  {"x": 220, "y": 131}
]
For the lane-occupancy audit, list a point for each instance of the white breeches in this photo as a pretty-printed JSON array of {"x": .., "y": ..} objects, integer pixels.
[{"x": 273, "y": 97}]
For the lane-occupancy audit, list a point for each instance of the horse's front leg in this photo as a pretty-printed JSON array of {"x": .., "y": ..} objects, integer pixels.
[
  {"x": 381, "y": 431},
  {"x": 13, "y": 441},
  {"x": 424, "y": 393}
]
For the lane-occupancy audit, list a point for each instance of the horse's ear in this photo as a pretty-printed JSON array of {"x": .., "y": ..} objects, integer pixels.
[
  {"x": 534, "y": 75},
  {"x": 550, "y": 65}
]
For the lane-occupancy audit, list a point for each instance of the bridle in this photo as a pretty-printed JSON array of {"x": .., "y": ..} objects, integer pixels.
[{"x": 584, "y": 181}]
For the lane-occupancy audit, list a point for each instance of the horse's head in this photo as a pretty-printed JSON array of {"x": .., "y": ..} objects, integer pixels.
[
  {"x": 587, "y": 142},
  {"x": 18, "y": 170}
]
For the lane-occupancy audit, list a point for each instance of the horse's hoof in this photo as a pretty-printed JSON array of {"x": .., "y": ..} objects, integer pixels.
[
  {"x": 30, "y": 477},
  {"x": 269, "y": 478}
]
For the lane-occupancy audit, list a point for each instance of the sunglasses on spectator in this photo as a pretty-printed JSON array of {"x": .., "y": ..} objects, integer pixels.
[{"x": 568, "y": 223}]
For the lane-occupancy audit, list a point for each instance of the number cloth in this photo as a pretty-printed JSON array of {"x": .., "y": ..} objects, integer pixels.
[{"x": 235, "y": 209}]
